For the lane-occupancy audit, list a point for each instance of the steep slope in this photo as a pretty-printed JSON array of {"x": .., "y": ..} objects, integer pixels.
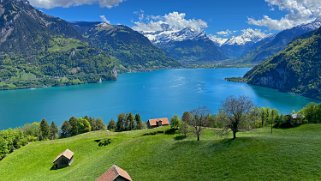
[
  {"x": 25, "y": 30},
  {"x": 269, "y": 47},
  {"x": 134, "y": 50},
  {"x": 39, "y": 50},
  {"x": 296, "y": 69},
  {"x": 187, "y": 46},
  {"x": 139, "y": 155}
]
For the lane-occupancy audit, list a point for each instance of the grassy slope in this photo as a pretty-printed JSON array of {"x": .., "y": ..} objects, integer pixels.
[{"x": 286, "y": 155}]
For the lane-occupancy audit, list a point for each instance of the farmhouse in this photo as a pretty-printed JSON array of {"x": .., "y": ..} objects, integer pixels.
[
  {"x": 115, "y": 173},
  {"x": 153, "y": 123},
  {"x": 64, "y": 159}
]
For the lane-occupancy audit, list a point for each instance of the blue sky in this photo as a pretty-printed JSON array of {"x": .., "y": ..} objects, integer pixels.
[{"x": 219, "y": 15}]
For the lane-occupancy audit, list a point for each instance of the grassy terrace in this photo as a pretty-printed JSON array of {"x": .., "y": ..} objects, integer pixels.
[{"x": 292, "y": 154}]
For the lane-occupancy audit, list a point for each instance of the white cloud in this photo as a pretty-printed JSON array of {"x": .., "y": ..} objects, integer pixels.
[
  {"x": 224, "y": 33},
  {"x": 298, "y": 12},
  {"x": 104, "y": 19},
  {"x": 48, "y": 4},
  {"x": 174, "y": 21}
]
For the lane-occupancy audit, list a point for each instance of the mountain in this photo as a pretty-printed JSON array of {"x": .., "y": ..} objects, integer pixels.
[
  {"x": 296, "y": 69},
  {"x": 186, "y": 45},
  {"x": 40, "y": 50},
  {"x": 269, "y": 47},
  {"x": 133, "y": 49},
  {"x": 238, "y": 45}
]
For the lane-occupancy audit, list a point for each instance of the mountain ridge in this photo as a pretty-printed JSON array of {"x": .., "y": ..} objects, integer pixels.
[
  {"x": 188, "y": 46},
  {"x": 295, "y": 69},
  {"x": 37, "y": 50},
  {"x": 269, "y": 47}
]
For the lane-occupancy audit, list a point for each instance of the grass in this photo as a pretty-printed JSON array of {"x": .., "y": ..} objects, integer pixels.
[
  {"x": 291, "y": 154},
  {"x": 61, "y": 44}
]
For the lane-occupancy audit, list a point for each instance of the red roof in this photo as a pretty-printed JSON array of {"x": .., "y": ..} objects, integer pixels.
[
  {"x": 67, "y": 153},
  {"x": 113, "y": 173},
  {"x": 153, "y": 122}
]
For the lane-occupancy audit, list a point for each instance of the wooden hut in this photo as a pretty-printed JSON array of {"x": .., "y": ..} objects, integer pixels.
[
  {"x": 64, "y": 159},
  {"x": 114, "y": 173}
]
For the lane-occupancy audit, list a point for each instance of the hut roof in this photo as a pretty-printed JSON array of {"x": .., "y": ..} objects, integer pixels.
[
  {"x": 114, "y": 172},
  {"x": 67, "y": 153},
  {"x": 153, "y": 122}
]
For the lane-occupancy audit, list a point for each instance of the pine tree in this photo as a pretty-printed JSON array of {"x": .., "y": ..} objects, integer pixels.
[
  {"x": 74, "y": 126},
  {"x": 66, "y": 129},
  {"x": 139, "y": 123},
  {"x": 131, "y": 120},
  {"x": 44, "y": 130},
  {"x": 100, "y": 125},
  {"x": 53, "y": 131},
  {"x": 120, "y": 126},
  {"x": 111, "y": 125}
]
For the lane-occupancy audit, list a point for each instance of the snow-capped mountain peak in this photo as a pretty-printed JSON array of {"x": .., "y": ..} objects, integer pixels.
[
  {"x": 161, "y": 37},
  {"x": 247, "y": 35},
  {"x": 312, "y": 26}
]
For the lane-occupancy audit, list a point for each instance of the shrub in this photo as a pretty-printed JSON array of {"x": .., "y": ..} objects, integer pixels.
[{"x": 104, "y": 142}]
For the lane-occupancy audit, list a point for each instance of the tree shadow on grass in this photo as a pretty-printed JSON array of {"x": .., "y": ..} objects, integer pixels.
[
  {"x": 180, "y": 137},
  {"x": 215, "y": 144}
]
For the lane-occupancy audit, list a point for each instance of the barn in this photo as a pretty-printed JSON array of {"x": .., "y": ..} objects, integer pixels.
[
  {"x": 64, "y": 159},
  {"x": 114, "y": 173}
]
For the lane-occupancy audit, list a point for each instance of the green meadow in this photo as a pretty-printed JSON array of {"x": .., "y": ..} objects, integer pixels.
[{"x": 287, "y": 154}]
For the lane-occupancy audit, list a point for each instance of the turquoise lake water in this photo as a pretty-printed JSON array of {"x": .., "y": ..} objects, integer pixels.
[{"x": 160, "y": 93}]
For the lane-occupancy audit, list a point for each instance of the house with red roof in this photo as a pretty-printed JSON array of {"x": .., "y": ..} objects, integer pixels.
[
  {"x": 114, "y": 173},
  {"x": 153, "y": 123}
]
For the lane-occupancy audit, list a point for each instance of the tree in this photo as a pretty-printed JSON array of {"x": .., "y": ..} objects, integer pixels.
[
  {"x": 131, "y": 120},
  {"x": 32, "y": 130},
  {"x": 66, "y": 129},
  {"x": 186, "y": 118},
  {"x": 139, "y": 123},
  {"x": 53, "y": 131},
  {"x": 44, "y": 130},
  {"x": 310, "y": 113},
  {"x": 265, "y": 113},
  {"x": 74, "y": 126},
  {"x": 175, "y": 122},
  {"x": 120, "y": 126},
  {"x": 199, "y": 120},
  {"x": 274, "y": 116},
  {"x": 93, "y": 123},
  {"x": 100, "y": 125},
  {"x": 235, "y": 113},
  {"x": 111, "y": 125},
  {"x": 86, "y": 127}
]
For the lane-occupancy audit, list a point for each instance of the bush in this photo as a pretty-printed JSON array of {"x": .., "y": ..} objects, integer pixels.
[
  {"x": 103, "y": 142},
  {"x": 288, "y": 122}
]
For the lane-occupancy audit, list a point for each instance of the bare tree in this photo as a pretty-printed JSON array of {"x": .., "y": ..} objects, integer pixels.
[
  {"x": 200, "y": 119},
  {"x": 236, "y": 114}
]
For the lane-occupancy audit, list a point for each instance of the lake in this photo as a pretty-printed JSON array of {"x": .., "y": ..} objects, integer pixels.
[{"x": 161, "y": 93}]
